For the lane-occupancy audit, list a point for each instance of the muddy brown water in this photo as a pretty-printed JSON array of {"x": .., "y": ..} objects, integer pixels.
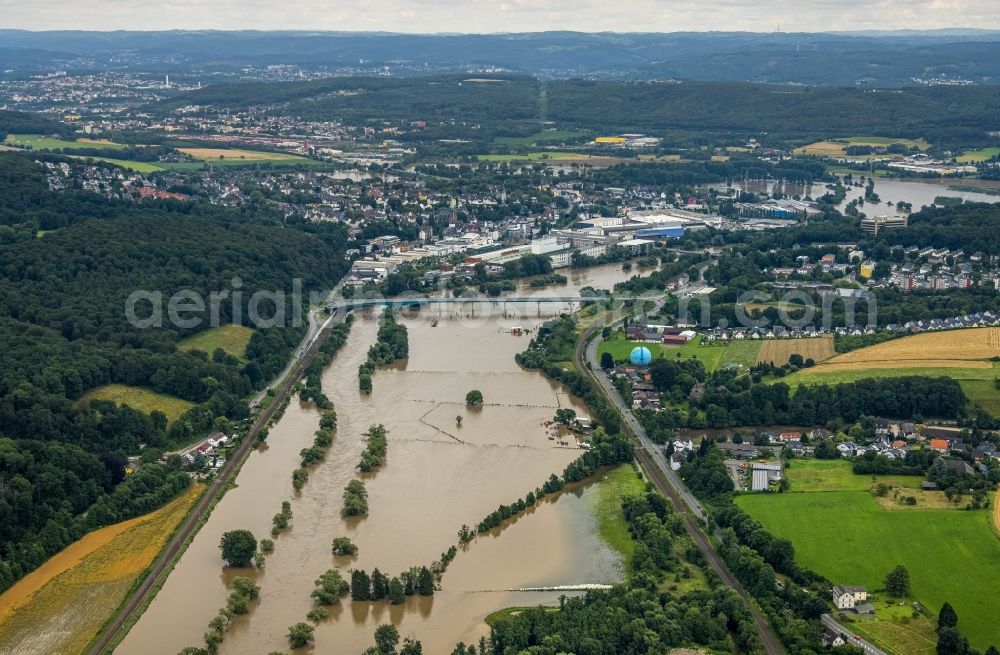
[{"x": 437, "y": 476}]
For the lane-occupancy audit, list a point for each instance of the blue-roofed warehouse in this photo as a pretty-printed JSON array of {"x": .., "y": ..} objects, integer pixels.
[{"x": 672, "y": 232}]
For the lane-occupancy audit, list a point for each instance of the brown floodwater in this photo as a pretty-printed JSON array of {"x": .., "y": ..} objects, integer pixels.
[{"x": 439, "y": 474}]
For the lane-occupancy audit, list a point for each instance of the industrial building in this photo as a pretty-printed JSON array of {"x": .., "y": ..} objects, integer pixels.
[
  {"x": 872, "y": 225},
  {"x": 764, "y": 475}
]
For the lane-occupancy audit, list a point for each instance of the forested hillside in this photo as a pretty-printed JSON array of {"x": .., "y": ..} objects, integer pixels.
[
  {"x": 945, "y": 115},
  {"x": 17, "y": 122},
  {"x": 63, "y": 331}
]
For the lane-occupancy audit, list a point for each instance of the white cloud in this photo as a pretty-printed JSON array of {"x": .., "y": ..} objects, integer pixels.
[{"x": 501, "y": 15}]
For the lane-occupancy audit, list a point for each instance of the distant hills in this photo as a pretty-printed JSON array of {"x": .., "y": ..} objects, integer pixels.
[{"x": 865, "y": 59}]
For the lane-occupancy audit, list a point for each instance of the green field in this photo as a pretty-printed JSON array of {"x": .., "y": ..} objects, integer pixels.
[
  {"x": 977, "y": 383},
  {"x": 137, "y": 166},
  {"x": 847, "y": 537},
  {"x": 813, "y": 475},
  {"x": 973, "y": 156},
  {"x": 540, "y": 137},
  {"x": 713, "y": 357},
  {"x": 231, "y": 338},
  {"x": 38, "y": 142},
  {"x": 607, "y": 507},
  {"x": 530, "y": 156},
  {"x": 140, "y": 399},
  {"x": 743, "y": 353},
  {"x": 896, "y": 630}
]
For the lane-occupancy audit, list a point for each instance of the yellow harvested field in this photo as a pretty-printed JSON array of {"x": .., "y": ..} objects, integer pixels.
[
  {"x": 779, "y": 350},
  {"x": 836, "y": 365},
  {"x": 234, "y": 153},
  {"x": 58, "y": 608},
  {"x": 996, "y": 514},
  {"x": 968, "y": 344},
  {"x": 824, "y": 148}
]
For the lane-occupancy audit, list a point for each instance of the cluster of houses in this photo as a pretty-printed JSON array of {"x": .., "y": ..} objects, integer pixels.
[
  {"x": 205, "y": 452},
  {"x": 648, "y": 334},
  {"x": 979, "y": 319}
]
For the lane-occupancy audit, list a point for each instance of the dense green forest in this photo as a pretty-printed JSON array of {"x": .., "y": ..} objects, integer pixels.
[
  {"x": 19, "y": 122},
  {"x": 944, "y": 115},
  {"x": 645, "y": 615},
  {"x": 64, "y": 330},
  {"x": 952, "y": 115},
  {"x": 362, "y": 99}
]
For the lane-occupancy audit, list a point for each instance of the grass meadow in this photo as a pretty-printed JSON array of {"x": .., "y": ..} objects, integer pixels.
[
  {"x": 231, "y": 338},
  {"x": 138, "y": 398},
  {"x": 617, "y": 483},
  {"x": 952, "y": 555},
  {"x": 137, "y": 166},
  {"x": 540, "y": 137},
  {"x": 742, "y": 353},
  {"x": 39, "y": 142},
  {"x": 815, "y": 475}
]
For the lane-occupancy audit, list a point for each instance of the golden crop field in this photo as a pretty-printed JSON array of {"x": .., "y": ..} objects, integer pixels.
[
  {"x": 968, "y": 344},
  {"x": 823, "y": 148},
  {"x": 837, "y": 147},
  {"x": 779, "y": 350},
  {"x": 236, "y": 153},
  {"x": 58, "y": 608},
  {"x": 835, "y": 365}
]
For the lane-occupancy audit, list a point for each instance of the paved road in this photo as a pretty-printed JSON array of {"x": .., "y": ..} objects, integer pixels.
[
  {"x": 852, "y": 638},
  {"x": 658, "y": 468},
  {"x": 315, "y": 327},
  {"x": 175, "y": 547}
]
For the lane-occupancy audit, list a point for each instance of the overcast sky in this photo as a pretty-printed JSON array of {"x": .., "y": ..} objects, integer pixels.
[{"x": 501, "y": 15}]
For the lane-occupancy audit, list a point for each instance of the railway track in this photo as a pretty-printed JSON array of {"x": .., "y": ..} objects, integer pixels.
[
  {"x": 666, "y": 480},
  {"x": 176, "y": 546}
]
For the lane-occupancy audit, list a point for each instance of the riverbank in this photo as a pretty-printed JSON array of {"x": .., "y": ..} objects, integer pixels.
[{"x": 615, "y": 485}]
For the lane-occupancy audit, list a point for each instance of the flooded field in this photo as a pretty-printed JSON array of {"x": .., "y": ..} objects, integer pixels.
[
  {"x": 916, "y": 192},
  {"x": 440, "y": 473}
]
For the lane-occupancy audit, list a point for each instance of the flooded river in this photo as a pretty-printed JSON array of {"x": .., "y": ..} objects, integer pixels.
[{"x": 438, "y": 475}]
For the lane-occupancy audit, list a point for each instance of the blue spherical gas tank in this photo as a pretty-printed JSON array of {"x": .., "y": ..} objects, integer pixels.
[{"x": 640, "y": 356}]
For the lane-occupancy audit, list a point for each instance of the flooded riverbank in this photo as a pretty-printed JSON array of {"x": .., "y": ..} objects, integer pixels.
[{"x": 439, "y": 474}]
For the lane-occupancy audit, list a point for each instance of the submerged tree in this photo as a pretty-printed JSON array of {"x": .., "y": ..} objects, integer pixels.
[{"x": 238, "y": 547}]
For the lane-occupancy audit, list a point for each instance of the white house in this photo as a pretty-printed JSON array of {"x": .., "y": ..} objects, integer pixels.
[{"x": 846, "y": 597}]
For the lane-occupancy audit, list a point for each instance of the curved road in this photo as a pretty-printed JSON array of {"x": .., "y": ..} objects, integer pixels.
[
  {"x": 656, "y": 465},
  {"x": 175, "y": 547}
]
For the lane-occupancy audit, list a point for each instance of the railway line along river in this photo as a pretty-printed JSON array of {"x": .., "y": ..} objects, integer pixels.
[{"x": 438, "y": 475}]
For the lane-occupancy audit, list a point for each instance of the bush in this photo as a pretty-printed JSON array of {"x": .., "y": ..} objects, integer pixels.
[
  {"x": 344, "y": 546},
  {"x": 300, "y": 634}
]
